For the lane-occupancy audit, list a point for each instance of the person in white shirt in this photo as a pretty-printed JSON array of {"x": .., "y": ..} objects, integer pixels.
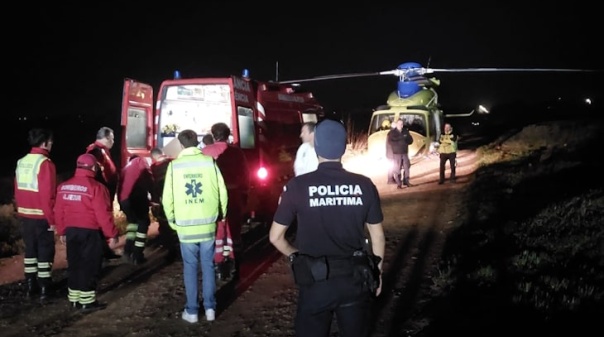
[{"x": 306, "y": 157}]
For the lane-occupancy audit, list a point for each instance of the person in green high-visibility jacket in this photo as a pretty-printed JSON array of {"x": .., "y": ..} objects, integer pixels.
[
  {"x": 194, "y": 198},
  {"x": 447, "y": 150}
]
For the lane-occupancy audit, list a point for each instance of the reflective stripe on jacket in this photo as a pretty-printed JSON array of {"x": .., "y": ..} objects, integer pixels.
[{"x": 194, "y": 196}]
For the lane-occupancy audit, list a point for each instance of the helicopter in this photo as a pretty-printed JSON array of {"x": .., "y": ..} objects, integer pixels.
[{"x": 415, "y": 100}]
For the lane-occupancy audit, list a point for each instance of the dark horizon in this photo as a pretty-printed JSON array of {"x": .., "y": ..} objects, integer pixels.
[{"x": 79, "y": 67}]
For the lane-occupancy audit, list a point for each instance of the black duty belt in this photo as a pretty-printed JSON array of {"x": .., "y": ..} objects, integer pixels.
[{"x": 339, "y": 267}]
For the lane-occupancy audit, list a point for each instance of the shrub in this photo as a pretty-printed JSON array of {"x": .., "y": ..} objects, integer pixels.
[{"x": 11, "y": 242}]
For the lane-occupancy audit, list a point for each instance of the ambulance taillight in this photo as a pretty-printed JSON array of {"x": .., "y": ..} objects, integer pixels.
[{"x": 262, "y": 173}]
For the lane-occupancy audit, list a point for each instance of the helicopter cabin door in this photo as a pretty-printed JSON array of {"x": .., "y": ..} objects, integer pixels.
[{"x": 136, "y": 121}]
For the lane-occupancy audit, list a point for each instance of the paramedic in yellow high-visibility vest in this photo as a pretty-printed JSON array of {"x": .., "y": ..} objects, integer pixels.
[
  {"x": 35, "y": 194},
  {"x": 194, "y": 198},
  {"x": 447, "y": 151}
]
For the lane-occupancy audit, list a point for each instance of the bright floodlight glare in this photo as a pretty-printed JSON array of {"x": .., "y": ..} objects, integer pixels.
[
  {"x": 482, "y": 109},
  {"x": 358, "y": 164}
]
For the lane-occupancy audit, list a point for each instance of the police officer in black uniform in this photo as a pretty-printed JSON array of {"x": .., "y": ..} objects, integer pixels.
[{"x": 332, "y": 207}]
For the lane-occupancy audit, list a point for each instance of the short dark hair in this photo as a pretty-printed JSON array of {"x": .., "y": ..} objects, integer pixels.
[
  {"x": 207, "y": 139},
  {"x": 310, "y": 126},
  {"x": 104, "y": 132},
  {"x": 220, "y": 132},
  {"x": 38, "y": 136},
  {"x": 188, "y": 138},
  {"x": 156, "y": 151}
]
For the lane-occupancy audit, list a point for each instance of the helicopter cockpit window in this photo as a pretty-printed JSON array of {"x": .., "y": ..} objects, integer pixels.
[
  {"x": 382, "y": 122},
  {"x": 415, "y": 123}
]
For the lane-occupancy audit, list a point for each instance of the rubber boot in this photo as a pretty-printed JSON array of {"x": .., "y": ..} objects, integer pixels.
[
  {"x": 32, "y": 287},
  {"x": 44, "y": 289},
  {"x": 127, "y": 253},
  {"x": 43, "y": 293},
  {"x": 138, "y": 256}
]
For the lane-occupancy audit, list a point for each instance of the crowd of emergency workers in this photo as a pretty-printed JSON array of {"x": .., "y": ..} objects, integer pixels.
[{"x": 199, "y": 198}]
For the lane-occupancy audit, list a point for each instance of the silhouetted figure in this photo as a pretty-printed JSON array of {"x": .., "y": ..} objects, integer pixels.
[
  {"x": 167, "y": 236},
  {"x": 399, "y": 140},
  {"x": 135, "y": 185}
]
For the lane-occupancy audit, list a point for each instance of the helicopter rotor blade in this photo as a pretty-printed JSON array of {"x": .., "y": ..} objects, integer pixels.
[
  {"x": 331, "y": 77},
  {"x": 407, "y": 72},
  {"x": 461, "y": 70}
]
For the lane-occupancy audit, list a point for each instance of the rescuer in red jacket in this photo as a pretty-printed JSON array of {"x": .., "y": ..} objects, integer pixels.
[
  {"x": 107, "y": 172},
  {"x": 100, "y": 149},
  {"x": 159, "y": 166},
  {"x": 35, "y": 191},
  {"x": 167, "y": 236},
  {"x": 233, "y": 166},
  {"x": 134, "y": 188},
  {"x": 81, "y": 210}
]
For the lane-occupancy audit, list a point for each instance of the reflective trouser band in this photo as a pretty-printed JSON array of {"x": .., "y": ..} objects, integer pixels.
[
  {"x": 44, "y": 269},
  {"x": 30, "y": 265},
  {"x": 131, "y": 231},
  {"x": 228, "y": 241},
  {"x": 73, "y": 295},
  {"x": 87, "y": 297},
  {"x": 140, "y": 239}
]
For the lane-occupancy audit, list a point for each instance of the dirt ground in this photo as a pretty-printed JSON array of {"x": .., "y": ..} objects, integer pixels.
[{"x": 417, "y": 220}]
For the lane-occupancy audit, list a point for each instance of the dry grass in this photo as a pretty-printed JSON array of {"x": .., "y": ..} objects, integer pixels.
[
  {"x": 11, "y": 242},
  {"x": 540, "y": 139},
  {"x": 533, "y": 244},
  {"x": 10, "y": 235}
]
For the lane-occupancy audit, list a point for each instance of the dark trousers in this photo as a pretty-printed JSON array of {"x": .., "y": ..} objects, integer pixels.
[
  {"x": 235, "y": 213},
  {"x": 167, "y": 236},
  {"x": 39, "y": 249},
  {"x": 108, "y": 253},
  {"x": 137, "y": 215},
  {"x": 401, "y": 161},
  {"x": 84, "y": 261},
  {"x": 317, "y": 303},
  {"x": 392, "y": 170},
  {"x": 443, "y": 160}
]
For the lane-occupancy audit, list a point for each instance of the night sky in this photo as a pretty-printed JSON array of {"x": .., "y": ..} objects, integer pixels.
[{"x": 66, "y": 60}]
